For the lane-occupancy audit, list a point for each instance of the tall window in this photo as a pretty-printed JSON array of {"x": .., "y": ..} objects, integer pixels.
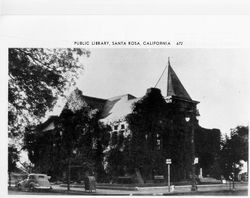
[
  {"x": 115, "y": 127},
  {"x": 158, "y": 142}
]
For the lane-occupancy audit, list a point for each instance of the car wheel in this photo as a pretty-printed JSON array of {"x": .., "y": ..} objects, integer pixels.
[
  {"x": 19, "y": 187},
  {"x": 31, "y": 188}
]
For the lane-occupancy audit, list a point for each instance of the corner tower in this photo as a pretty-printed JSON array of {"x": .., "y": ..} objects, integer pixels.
[{"x": 178, "y": 95}]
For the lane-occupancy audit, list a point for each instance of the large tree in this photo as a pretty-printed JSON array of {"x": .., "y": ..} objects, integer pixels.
[
  {"x": 37, "y": 76},
  {"x": 13, "y": 158},
  {"x": 84, "y": 134},
  {"x": 234, "y": 149}
]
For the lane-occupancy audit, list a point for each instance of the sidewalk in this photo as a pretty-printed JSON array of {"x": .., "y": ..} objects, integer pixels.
[{"x": 160, "y": 190}]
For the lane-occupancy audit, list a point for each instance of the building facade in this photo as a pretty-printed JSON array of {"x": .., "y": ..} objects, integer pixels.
[{"x": 182, "y": 116}]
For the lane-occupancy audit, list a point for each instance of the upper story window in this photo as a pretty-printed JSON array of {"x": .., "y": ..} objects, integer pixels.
[
  {"x": 122, "y": 126},
  {"x": 114, "y": 138},
  {"x": 115, "y": 127},
  {"x": 158, "y": 144}
]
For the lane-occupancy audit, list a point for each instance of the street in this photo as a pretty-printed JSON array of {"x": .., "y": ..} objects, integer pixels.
[
  {"x": 222, "y": 193},
  {"x": 223, "y": 190}
]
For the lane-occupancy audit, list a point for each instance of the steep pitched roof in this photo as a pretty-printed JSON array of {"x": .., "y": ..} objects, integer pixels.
[
  {"x": 114, "y": 108},
  {"x": 175, "y": 87},
  {"x": 77, "y": 100},
  {"x": 95, "y": 103},
  {"x": 117, "y": 108}
]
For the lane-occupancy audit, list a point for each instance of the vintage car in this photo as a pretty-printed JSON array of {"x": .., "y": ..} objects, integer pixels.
[{"x": 35, "y": 182}]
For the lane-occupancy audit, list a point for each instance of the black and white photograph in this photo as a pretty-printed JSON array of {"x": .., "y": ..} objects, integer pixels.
[{"x": 115, "y": 121}]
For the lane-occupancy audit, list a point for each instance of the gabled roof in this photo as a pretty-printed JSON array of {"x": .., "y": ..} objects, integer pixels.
[
  {"x": 95, "y": 103},
  {"x": 175, "y": 87},
  {"x": 114, "y": 108},
  {"x": 77, "y": 100},
  {"x": 117, "y": 108}
]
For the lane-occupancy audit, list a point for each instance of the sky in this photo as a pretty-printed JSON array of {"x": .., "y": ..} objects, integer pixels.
[{"x": 218, "y": 78}]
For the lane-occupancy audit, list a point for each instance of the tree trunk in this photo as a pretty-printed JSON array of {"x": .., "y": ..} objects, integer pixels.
[
  {"x": 9, "y": 179},
  {"x": 138, "y": 176},
  {"x": 68, "y": 176}
]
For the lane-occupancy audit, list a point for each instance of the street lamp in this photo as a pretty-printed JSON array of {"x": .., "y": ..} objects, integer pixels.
[
  {"x": 61, "y": 134},
  {"x": 190, "y": 119},
  {"x": 71, "y": 153},
  {"x": 74, "y": 151},
  {"x": 233, "y": 174}
]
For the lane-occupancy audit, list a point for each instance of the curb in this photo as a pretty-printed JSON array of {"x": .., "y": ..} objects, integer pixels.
[
  {"x": 73, "y": 192},
  {"x": 146, "y": 194},
  {"x": 132, "y": 188},
  {"x": 201, "y": 192},
  {"x": 137, "y": 188},
  {"x": 96, "y": 193}
]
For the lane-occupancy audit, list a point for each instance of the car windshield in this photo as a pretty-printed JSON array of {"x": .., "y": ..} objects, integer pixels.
[
  {"x": 32, "y": 177},
  {"x": 41, "y": 177}
]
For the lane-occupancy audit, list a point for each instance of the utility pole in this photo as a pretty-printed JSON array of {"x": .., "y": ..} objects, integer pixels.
[
  {"x": 194, "y": 186},
  {"x": 191, "y": 120},
  {"x": 168, "y": 177},
  {"x": 168, "y": 162},
  {"x": 74, "y": 151},
  {"x": 68, "y": 182},
  {"x": 233, "y": 175}
]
